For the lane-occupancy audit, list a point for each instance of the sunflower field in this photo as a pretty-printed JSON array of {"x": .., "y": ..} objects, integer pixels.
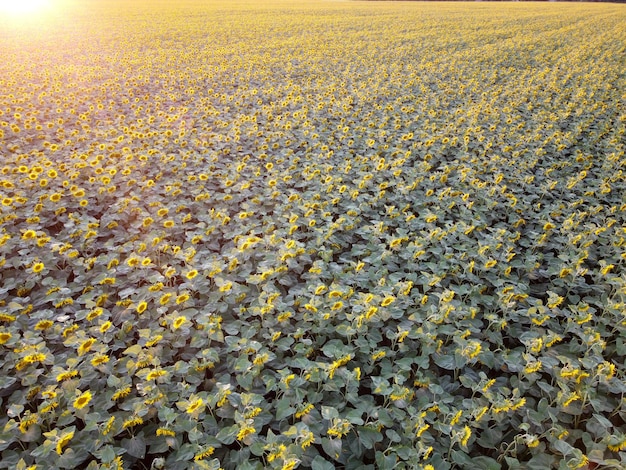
[{"x": 313, "y": 234}]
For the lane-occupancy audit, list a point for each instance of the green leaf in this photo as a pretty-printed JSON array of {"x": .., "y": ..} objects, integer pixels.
[
  {"x": 380, "y": 385},
  {"x": 284, "y": 408},
  {"x": 71, "y": 459},
  {"x": 513, "y": 463},
  {"x": 369, "y": 437},
  {"x": 345, "y": 329},
  {"x": 135, "y": 446},
  {"x": 247, "y": 465},
  {"x": 446, "y": 362},
  {"x": 133, "y": 350},
  {"x": 334, "y": 349},
  {"x": 490, "y": 438},
  {"x": 15, "y": 410},
  {"x": 393, "y": 435},
  {"x": 245, "y": 380},
  {"x": 257, "y": 448},
  {"x": 318, "y": 463},
  {"x": 21, "y": 465},
  {"x": 462, "y": 459},
  {"x": 228, "y": 435},
  {"x": 332, "y": 447},
  {"x": 563, "y": 447},
  {"x": 328, "y": 412},
  {"x": 106, "y": 454},
  {"x": 599, "y": 425},
  {"x": 485, "y": 463},
  {"x": 543, "y": 460},
  {"x": 386, "y": 461},
  {"x": 43, "y": 450},
  {"x": 242, "y": 364},
  {"x": 355, "y": 417},
  {"x": 6, "y": 381},
  {"x": 385, "y": 418},
  {"x": 185, "y": 453}
]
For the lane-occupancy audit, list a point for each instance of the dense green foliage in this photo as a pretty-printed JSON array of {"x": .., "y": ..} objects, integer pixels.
[{"x": 313, "y": 235}]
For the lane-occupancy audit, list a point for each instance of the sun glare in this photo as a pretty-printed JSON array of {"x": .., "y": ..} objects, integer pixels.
[{"x": 20, "y": 8}]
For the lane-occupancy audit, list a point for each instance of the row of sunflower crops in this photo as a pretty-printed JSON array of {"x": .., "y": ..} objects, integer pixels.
[{"x": 313, "y": 235}]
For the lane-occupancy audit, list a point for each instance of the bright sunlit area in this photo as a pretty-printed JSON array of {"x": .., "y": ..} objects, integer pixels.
[{"x": 24, "y": 9}]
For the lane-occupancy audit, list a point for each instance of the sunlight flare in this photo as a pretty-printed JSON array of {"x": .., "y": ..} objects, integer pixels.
[{"x": 24, "y": 8}]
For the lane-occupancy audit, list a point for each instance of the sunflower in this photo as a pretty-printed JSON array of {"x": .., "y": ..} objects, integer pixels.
[
  {"x": 63, "y": 441},
  {"x": 38, "y": 267},
  {"x": 82, "y": 400},
  {"x": 142, "y": 306},
  {"x": 182, "y": 298}
]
